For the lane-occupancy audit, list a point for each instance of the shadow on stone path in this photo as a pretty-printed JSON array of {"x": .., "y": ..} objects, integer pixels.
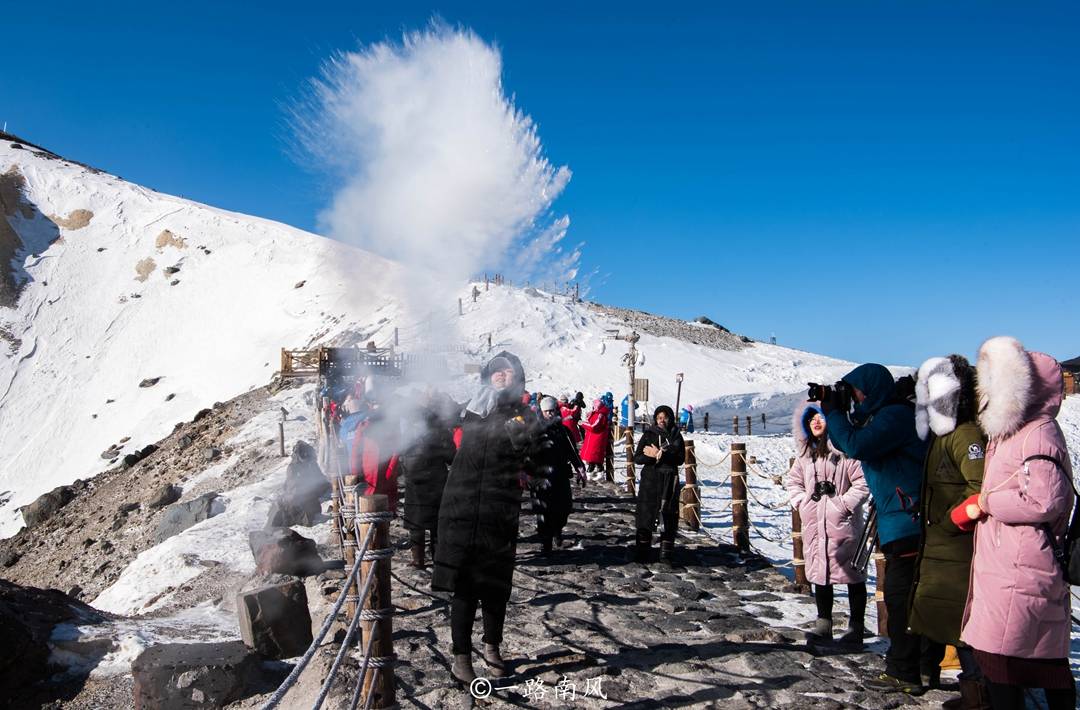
[{"x": 583, "y": 621}]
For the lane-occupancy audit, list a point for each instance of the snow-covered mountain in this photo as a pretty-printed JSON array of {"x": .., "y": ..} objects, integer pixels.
[{"x": 112, "y": 285}]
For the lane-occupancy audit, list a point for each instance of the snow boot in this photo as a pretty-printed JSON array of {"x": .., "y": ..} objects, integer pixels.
[
  {"x": 667, "y": 549},
  {"x": 545, "y": 546},
  {"x": 932, "y": 678},
  {"x": 417, "y": 549},
  {"x": 821, "y": 633},
  {"x": 853, "y": 637},
  {"x": 462, "y": 668},
  {"x": 642, "y": 548},
  {"x": 494, "y": 660},
  {"x": 973, "y": 696}
]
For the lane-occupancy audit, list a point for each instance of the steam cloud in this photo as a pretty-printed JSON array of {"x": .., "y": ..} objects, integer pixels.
[{"x": 437, "y": 167}]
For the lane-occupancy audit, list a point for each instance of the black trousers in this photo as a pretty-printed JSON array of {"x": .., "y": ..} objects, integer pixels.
[
  {"x": 1011, "y": 697},
  {"x": 823, "y": 596},
  {"x": 463, "y": 607},
  {"x": 908, "y": 654}
]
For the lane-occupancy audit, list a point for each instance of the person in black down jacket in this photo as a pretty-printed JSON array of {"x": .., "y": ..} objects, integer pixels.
[
  {"x": 478, "y": 518},
  {"x": 660, "y": 452},
  {"x": 427, "y": 462},
  {"x": 553, "y": 495}
]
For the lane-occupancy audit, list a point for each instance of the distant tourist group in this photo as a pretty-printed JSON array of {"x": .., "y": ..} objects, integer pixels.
[{"x": 962, "y": 472}]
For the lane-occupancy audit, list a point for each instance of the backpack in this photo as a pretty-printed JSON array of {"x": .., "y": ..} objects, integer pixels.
[{"x": 1067, "y": 553}]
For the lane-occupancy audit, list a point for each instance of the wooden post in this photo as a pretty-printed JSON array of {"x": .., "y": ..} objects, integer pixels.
[
  {"x": 348, "y": 519},
  {"x": 460, "y": 308},
  {"x": 378, "y": 680},
  {"x": 281, "y": 438},
  {"x": 749, "y": 431},
  {"x": 489, "y": 341},
  {"x": 631, "y": 484},
  {"x": 879, "y": 592},
  {"x": 740, "y": 521},
  {"x": 706, "y": 422},
  {"x": 690, "y": 498},
  {"x": 609, "y": 454},
  {"x": 797, "y": 561},
  {"x": 396, "y": 343},
  {"x": 735, "y": 422},
  {"x": 763, "y": 421}
]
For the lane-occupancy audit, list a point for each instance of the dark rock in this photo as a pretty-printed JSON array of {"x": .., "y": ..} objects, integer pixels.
[
  {"x": 131, "y": 459},
  {"x": 129, "y": 507},
  {"x": 211, "y": 453},
  {"x": 179, "y": 517},
  {"x": 299, "y": 500},
  {"x": 170, "y": 270},
  {"x": 284, "y": 551},
  {"x": 27, "y": 619},
  {"x": 110, "y": 452},
  {"x": 274, "y": 620},
  {"x": 169, "y": 397},
  {"x": 184, "y": 441},
  {"x": 174, "y": 282},
  {"x": 195, "y": 675},
  {"x": 300, "y": 284},
  {"x": 74, "y": 592},
  {"x": 46, "y": 505},
  {"x": 79, "y": 485},
  {"x": 147, "y": 450},
  {"x": 150, "y": 382},
  {"x": 201, "y": 414},
  {"x": 8, "y": 558},
  {"x": 165, "y": 495}
]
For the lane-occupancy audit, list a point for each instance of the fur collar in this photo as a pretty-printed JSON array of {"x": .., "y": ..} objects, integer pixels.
[
  {"x": 937, "y": 397},
  {"x": 1005, "y": 386}
]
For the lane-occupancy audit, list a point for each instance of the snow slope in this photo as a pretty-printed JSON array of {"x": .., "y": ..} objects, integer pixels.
[{"x": 96, "y": 317}]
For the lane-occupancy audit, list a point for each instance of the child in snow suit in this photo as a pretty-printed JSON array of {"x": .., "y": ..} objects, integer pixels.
[{"x": 829, "y": 491}]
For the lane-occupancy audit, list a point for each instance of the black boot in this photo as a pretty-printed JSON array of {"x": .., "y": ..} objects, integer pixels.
[
  {"x": 642, "y": 547},
  {"x": 667, "y": 550}
]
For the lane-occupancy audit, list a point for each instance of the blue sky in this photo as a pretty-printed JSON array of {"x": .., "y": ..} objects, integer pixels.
[{"x": 873, "y": 180}]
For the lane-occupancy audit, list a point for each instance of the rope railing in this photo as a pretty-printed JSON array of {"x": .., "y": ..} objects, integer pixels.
[{"x": 369, "y": 608}]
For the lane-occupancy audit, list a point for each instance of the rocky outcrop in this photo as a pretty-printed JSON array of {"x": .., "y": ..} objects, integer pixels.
[
  {"x": 299, "y": 502},
  {"x": 284, "y": 551},
  {"x": 28, "y": 617},
  {"x": 179, "y": 676},
  {"x": 179, "y": 517},
  {"x": 47, "y": 504},
  {"x": 274, "y": 618}
]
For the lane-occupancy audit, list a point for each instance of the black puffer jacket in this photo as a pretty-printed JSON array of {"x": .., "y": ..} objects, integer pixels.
[
  {"x": 478, "y": 517},
  {"x": 556, "y": 462},
  {"x": 427, "y": 464},
  {"x": 657, "y": 489}
]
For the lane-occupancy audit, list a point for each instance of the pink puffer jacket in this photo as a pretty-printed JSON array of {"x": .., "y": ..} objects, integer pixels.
[
  {"x": 831, "y": 526},
  {"x": 1018, "y": 601}
]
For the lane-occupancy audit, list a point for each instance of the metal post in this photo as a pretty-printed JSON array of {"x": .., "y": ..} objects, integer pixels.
[
  {"x": 396, "y": 342},
  {"x": 740, "y": 521},
  {"x": 690, "y": 498},
  {"x": 735, "y": 423},
  {"x": 763, "y": 421},
  {"x": 678, "y": 395},
  {"x": 281, "y": 438},
  {"x": 631, "y": 485},
  {"x": 377, "y": 607},
  {"x": 749, "y": 431},
  {"x": 706, "y": 422}
]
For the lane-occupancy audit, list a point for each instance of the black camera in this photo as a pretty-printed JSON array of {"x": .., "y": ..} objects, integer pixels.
[
  {"x": 823, "y": 489},
  {"x": 821, "y": 393}
]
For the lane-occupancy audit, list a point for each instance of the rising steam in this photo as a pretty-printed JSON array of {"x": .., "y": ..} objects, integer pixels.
[{"x": 436, "y": 167}]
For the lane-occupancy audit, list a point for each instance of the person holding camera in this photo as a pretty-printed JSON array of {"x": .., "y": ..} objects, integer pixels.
[
  {"x": 945, "y": 417},
  {"x": 1018, "y": 604},
  {"x": 880, "y": 433},
  {"x": 660, "y": 452},
  {"x": 829, "y": 491}
]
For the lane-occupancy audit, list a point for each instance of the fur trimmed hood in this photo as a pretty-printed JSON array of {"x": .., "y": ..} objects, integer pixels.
[
  {"x": 1015, "y": 386},
  {"x": 799, "y": 431},
  {"x": 937, "y": 397}
]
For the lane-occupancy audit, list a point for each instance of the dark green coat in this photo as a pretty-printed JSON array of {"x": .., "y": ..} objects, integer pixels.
[{"x": 954, "y": 471}]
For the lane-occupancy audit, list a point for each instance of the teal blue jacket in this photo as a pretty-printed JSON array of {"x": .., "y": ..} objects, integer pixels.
[{"x": 881, "y": 434}]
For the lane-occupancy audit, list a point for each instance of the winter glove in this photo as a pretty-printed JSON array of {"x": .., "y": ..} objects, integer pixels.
[
  {"x": 580, "y": 476},
  {"x": 965, "y": 515},
  {"x": 518, "y": 430},
  {"x": 835, "y": 401},
  {"x": 541, "y": 484}
]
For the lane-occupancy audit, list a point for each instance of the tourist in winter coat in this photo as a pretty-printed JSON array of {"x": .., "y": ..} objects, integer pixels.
[
  {"x": 555, "y": 467},
  {"x": 373, "y": 455},
  {"x": 945, "y": 417},
  {"x": 686, "y": 419},
  {"x": 597, "y": 433},
  {"x": 829, "y": 491},
  {"x": 880, "y": 434},
  {"x": 478, "y": 517},
  {"x": 660, "y": 452},
  {"x": 566, "y": 416},
  {"x": 1018, "y": 609},
  {"x": 426, "y": 464}
]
